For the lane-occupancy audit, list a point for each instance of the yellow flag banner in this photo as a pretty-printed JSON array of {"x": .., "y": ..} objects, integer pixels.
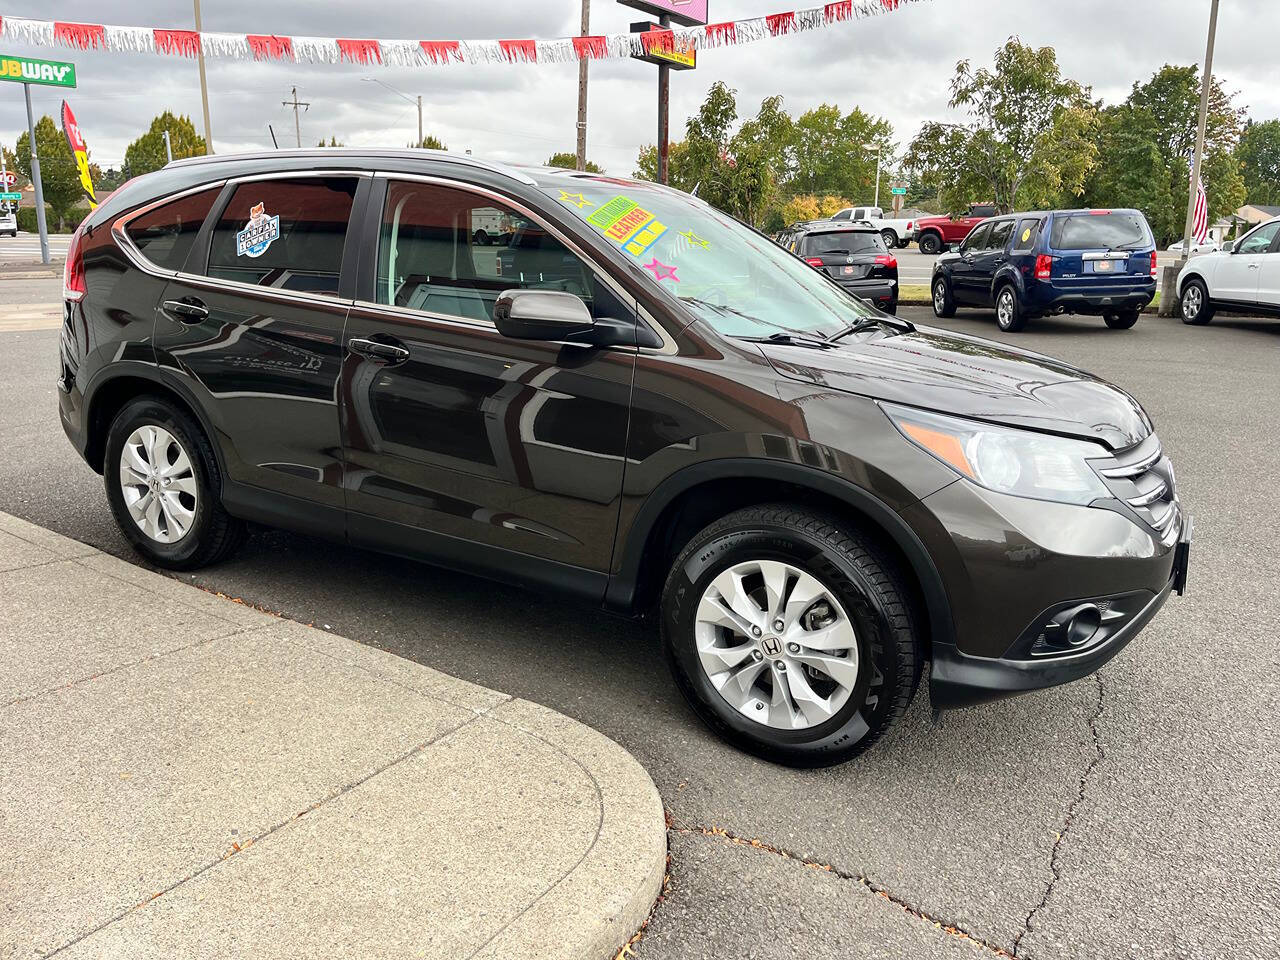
[{"x": 75, "y": 141}]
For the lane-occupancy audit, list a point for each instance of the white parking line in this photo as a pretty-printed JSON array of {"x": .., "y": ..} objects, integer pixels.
[{"x": 22, "y": 317}]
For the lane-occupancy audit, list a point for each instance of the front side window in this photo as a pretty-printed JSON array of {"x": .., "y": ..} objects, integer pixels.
[
  {"x": 285, "y": 234},
  {"x": 1000, "y": 235},
  {"x": 738, "y": 281},
  {"x": 429, "y": 260},
  {"x": 166, "y": 234},
  {"x": 977, "y": 239},
  {"x": 1260, "y": 240}
]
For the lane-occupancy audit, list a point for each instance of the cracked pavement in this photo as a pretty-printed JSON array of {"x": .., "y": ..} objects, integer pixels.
[{"x": 1130, "y": 815}]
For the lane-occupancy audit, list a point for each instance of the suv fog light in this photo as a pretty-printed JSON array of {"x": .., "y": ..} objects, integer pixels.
[{"x": 1084, "y": 623}]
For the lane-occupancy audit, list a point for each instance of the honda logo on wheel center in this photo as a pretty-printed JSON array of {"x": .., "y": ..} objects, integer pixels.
[{"x": 771, "y": 646}]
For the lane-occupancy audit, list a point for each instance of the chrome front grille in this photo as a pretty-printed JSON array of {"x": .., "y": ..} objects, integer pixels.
[{"x": 1143, "y": 478}]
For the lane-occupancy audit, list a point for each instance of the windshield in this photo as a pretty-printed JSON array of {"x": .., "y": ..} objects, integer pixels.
[
  {"x": 843, "y": 242},
  {"x": 738, "y": 281},
  {"x": 1101, "y": 231}
]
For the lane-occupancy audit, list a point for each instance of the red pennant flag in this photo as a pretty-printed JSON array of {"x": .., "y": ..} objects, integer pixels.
[
  {"x": 836, "y": 12},
  {"x": 441, "y": 51},
  {"x": 780, "y": 23},
  {"x": 590, "y": 48},
  {"x": 890, "y": 4},
  {"x": 663, "y": 41},
  {"x": 518, "y": 50},
  {"x": 726, "y": 32},
  {"x": 82, "y": 35},
  {"x": 184, "y": 43},
  {"x": 360, "y": 51},
  {"x": 266, "y": 46}
]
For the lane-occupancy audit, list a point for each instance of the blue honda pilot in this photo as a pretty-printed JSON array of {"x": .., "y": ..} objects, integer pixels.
[{"x": 1097, "y": 262}]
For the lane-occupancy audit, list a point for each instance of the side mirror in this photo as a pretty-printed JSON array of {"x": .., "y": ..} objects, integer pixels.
[
  {"x": 1229, "y": 247},
  {"x": 541, "y": 315}
]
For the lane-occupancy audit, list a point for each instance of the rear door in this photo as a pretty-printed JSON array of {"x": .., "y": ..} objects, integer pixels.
[
  {"x": 254, "y": 327},
  {"x": 847, "y": 255},
  {"x": 464, "y": 446},
  {"x": 1269, "y": 275}
]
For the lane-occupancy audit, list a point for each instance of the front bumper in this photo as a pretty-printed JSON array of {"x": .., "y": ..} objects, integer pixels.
[{"x": 1015, "y": 570}]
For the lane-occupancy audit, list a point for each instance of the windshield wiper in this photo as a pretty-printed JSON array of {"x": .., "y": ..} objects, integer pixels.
[
  {"x": 792, "y": 340},
  {"x": 871, "y": 323}
]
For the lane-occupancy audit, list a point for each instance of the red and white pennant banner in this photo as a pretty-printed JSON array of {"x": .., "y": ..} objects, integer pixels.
[{"x": 413, "y": 53}]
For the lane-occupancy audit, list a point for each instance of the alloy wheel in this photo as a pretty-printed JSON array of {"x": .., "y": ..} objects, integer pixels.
[
  {"x": 776, "y": 644},
  {"x": 1191, "y": 303},
  {"x": 939, "y": 297},
  {"x": 159, "y": 485},
  {"x": 1004, "y": 308}
]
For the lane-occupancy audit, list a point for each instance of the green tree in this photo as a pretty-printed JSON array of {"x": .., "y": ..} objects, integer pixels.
[
  {"x": 1144, "y": 148},
  {"x": 59, "y": 177},
  {"x": 1030, "y": 139},
  {"x": 111, "y": 179},
  {"x": 147, "y": 153},
  {"x": 569, "y": 161},
  {"x": 429, "y": 142},
  {"x": 1259, "y": 157},
  {"x": 333, "y": 142},
  {"x": 828, "y": 153}
]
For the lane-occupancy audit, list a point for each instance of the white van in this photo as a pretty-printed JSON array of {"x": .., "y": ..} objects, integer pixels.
[{"x": 8, "y": 221}]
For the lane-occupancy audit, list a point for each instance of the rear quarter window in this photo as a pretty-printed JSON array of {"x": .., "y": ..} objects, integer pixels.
[
  {"x": 166, "y": 234},
  {"x": 1100, "y": 231},
  {"x": 1026, "y": 235}
]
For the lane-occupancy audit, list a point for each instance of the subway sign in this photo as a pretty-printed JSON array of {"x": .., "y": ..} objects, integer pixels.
[{"x": 50, "y": 73}]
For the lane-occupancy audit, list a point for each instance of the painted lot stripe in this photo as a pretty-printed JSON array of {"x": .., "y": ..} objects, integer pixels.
[{"x": 31, "y": 316}]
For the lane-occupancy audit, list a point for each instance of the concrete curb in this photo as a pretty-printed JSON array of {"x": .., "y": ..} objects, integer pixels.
[{"x": 498, "y": 763}]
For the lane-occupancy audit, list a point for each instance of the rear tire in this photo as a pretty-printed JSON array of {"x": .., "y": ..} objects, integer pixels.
[
  {"x": 944, "y": 305},
  {"x": 1123, "y": 320},
  {"x": 830, "y": 584},
  {"x": 890, "y": 239},
  {"x": 930, "y": 243},
  {"x": 1009, "y": 315},
  {"x": 1195, "y": 306},
  {"x": 209, "y": 534},
  {"x": 481, "y": 238}
]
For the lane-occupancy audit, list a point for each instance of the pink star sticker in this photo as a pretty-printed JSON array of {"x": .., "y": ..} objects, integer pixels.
[{"x": 661, "y": 271}]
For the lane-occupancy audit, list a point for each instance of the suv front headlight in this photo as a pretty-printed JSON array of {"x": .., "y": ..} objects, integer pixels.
[{"x": 1018, "y": 462}]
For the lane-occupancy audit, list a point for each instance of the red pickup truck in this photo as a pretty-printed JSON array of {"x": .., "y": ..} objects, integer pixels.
[{"x": 935, "y": 234}]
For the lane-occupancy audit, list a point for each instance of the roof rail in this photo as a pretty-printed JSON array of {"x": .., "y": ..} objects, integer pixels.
[{"x": 329, "y": 152}]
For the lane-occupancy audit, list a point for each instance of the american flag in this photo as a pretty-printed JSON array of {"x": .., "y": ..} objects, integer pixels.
[{"x": 1200, "y": 221}]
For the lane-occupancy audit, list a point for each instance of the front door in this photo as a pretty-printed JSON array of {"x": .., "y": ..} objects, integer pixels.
[
  {"x": 1239, "y": 276},
  {"x": 988, "y": 260},
  {"x": 255, "y": 325},
  {"x": 964, "y": 285},
  {"x": 462, "y": 445},
  {"x": 1269, "y": 277}
]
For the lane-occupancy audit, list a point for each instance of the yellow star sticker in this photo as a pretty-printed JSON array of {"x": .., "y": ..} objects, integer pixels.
[
  {"x": 695, "y": 240},
  {"x": 577, "y": 199}
]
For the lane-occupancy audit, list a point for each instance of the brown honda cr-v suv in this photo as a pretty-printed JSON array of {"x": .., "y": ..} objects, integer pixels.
[{"x": 631, "y": 398}]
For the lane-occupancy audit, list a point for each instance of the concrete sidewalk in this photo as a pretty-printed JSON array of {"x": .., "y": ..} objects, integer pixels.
[{"x": 182, "y": 776}]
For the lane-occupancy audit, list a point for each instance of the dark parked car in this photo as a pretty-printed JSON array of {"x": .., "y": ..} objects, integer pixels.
[
  {"x": 854, "y": 255},
  {"x": 1026, "y": 265},
  {"x": 651, "y": 408}
]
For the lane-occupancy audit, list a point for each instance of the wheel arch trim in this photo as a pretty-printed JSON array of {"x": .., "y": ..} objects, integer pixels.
[{"x": 621, "y": 592}]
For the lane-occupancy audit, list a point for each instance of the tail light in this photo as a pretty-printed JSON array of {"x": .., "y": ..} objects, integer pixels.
[
  {"x": 887, "y": 260},
  {"x": 1155, "y": 266},
  {"x": 1044, "y": 267},
  {"x": 908, "y": 225},
  {"x": 73, "y": 287},
  {"x": 813, "y": 261}
]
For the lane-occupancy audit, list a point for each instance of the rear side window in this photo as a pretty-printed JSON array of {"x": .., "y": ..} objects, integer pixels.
[
  {"x": 1000, "y": 235},
  {"x": 1025, "y": 237},
  {"x": 166, "y": 234},
  {"x": 845, "y": 243},
  {"x": 286, "y": 234},
  {"x": 1100, "y": 231}
]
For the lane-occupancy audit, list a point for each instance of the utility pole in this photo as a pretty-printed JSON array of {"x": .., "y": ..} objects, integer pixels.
[
  {"x": 204, "y": 86},
  {"x": 297, "y": 123},
  {"x": 419, "y": 119},
  {"x": 664, "y": 108},
  {"x": 1206, "y": 82},
  {"x": 582, "y": 90},
  {"x": 168, "y": 148}
]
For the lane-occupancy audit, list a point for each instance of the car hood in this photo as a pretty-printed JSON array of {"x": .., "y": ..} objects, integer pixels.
[{"x": 970, "y": 377}]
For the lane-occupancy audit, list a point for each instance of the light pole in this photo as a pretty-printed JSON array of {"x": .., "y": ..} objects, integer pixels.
[
  {"x": 877, "y": 148},
  {"x": 204, "y": 86},
  {"x": 403, "y": 96},
  {"x": 1206, "y": 82}
]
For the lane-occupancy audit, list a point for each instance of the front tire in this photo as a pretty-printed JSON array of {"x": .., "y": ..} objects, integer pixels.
[
  {"x": 1123, "y": 320},
  {"x": 1195, "y": 306},
  {"x": 790, "y": 635},
  {"x": 164, "y": 487},
  {"x": 1009, "y": 315},
  {"x": 944, "y": 304},
  {"x": 931, "y": 243}
]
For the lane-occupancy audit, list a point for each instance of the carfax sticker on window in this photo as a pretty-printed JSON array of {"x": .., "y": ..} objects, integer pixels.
[{"x": 258, "y": 233}]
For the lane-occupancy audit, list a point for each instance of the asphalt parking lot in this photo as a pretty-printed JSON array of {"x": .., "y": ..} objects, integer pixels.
[{"x": 1128, "y": 815}]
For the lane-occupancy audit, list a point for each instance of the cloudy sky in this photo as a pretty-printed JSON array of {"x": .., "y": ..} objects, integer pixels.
[{"x": 896, "y": 66}]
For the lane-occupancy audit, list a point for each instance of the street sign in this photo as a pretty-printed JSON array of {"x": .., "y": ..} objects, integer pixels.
[
  {"x": 10, "y": 196},
  {"x": 50, "y": 73},
  {"x": 898, "y": 191},
  {"x": 688, "y": 13},
  {"x": 9, "y": 178},
  {"x": 660, "y": 47}
]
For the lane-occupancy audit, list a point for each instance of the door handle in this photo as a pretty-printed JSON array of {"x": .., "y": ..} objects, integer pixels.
[
  {"x": 1255, "y": 266},
  {"x": 388, "y": 353},
  {"x": 189, "y": 310}
]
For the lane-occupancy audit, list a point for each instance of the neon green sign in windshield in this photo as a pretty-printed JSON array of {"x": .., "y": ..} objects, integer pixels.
[
  {"x": 50, "y": 73},
  {"x": 737, "y": 280}
]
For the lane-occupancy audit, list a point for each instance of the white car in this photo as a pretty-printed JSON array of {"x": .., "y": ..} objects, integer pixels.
[
  {"x": 1242, "y": 276},
  {"x": 8, "y": 223},
  {"x": 896, "y": 233},
  {"x": 1209, "y": 246}
]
